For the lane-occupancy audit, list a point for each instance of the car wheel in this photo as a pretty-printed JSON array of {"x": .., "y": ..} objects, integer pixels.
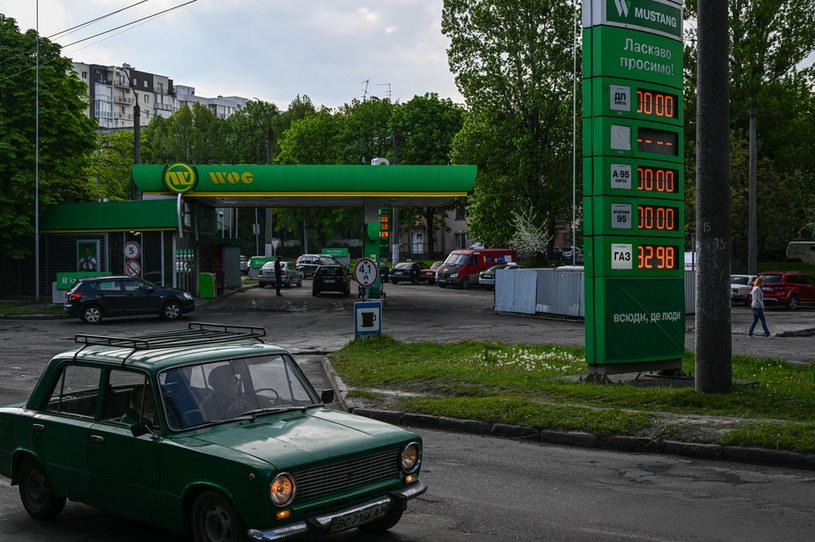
[
  {"x": 300, "y": 283},
  {"x": 465, "y": 283},
  {"x": 92, "y": 314},
  {"x": 214, "y": 519},
  {"x": 414, "y": 281},
  {"x": 384, "y": 523},
  {"x": 394, "y": 281},
  {"x": 792, "y": 304},
  {"x": 171, "y": 310},
  {"x": 431, "y": 282},
  {"x": 314, "y": 293},
  {"x": 38, "y": 498}
]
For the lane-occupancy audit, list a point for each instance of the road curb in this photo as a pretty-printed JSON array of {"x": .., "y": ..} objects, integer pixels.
[{"x": 582, "y": 439}]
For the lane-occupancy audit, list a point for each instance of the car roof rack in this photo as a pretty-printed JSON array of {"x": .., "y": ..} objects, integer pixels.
[{"x": 196, "y": 333}]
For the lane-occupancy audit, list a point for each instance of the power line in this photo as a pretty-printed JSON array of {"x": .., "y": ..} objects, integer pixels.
[
  {"x": 69, "y": 30},
  {"x": 120, "y": 27}
]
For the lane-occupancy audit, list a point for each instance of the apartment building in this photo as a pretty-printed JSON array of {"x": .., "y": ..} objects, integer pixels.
[{"x": 115, "y": 91}]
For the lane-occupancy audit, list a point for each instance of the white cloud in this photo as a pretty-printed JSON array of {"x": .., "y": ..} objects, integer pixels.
[{"x": 269, "y": 49}]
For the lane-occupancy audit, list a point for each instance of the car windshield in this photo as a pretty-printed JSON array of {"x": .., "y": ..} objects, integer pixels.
[
  {"x": 403, "y": 265},
  {"x": 193, "y": 395},
  {"x": 740, "y": 280},
  {"x": 456, "y": 259}
]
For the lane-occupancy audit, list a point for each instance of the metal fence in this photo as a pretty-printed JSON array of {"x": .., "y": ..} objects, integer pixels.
[{"x": 556, "y": 291}]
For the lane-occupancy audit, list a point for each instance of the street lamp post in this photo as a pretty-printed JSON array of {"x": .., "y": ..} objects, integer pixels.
[{"x": 136, "y": 126}]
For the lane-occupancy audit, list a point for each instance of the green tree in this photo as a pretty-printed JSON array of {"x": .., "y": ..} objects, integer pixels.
[
  {"x": 110, "y": 166},
  {"x": 193, "y": 135},
  {"x": 66, "y": 135},
  {"x": 513, "y": 62},
  {"x": 424, "y": 128}
]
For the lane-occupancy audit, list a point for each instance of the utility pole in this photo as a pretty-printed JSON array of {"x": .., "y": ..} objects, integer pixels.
[{"x": 714, "y": 366}]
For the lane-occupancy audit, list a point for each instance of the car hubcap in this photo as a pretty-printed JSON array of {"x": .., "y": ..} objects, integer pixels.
[
  {"x": 217, "y": 525},
  {"x": 92, "y": 315},
  {"x": 172, "y": 311}
]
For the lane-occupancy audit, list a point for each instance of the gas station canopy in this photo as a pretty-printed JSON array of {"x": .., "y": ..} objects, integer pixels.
[{"x": 247, "y": 185}]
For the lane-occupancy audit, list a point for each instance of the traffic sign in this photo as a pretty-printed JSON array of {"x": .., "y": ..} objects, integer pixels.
[
  {"x": 366, "y": 272},
  {"x": 132, "y": 250},
  {"x": 132, "y": 268}
]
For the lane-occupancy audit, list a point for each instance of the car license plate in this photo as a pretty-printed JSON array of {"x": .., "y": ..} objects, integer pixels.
[
  {"x": 347, "y": 521},
  {"x": 330, "y": 281}
]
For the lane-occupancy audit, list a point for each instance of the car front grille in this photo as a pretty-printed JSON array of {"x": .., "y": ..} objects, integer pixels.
[{"x": 335, "y": 477}]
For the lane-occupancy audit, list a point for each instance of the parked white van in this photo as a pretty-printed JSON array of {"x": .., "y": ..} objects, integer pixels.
[{"x": 801, "y": 251}]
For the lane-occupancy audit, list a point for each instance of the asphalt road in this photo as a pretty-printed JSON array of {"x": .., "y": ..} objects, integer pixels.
[{"x": 481, "y": 488}]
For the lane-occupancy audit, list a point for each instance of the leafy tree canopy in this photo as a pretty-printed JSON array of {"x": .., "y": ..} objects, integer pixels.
[{"x": 66, "y": 135}]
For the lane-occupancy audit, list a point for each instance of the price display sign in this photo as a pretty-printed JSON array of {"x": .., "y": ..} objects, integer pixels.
[{"x": 633, "y": 156}]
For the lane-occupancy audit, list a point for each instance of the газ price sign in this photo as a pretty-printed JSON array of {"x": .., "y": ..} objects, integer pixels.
[{"x": 633, "y": 150}]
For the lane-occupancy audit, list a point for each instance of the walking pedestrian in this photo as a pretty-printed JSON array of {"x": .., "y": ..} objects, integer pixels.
[
  {"x": 758, "y": 308},
  {"x": 278, "y": 275}
]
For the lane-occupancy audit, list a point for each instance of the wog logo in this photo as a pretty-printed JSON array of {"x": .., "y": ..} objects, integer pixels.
[
  {"x": 180, "y": 178},
  {"x": 622, "y": 7}
]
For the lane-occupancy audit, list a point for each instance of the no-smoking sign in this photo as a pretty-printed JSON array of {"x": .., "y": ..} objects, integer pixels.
[{"x": 132, "y": 268}]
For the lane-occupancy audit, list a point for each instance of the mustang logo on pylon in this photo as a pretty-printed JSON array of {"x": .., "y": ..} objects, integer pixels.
[{"x": 180, "y": 178}]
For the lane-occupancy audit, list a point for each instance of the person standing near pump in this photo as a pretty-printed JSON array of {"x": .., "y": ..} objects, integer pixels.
[
  {"x": 278, "y": 278},
  {"x": 757, "y": 304}
]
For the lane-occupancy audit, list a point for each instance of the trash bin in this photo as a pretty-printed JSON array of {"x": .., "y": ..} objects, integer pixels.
[{"x": 206, "y": 285}]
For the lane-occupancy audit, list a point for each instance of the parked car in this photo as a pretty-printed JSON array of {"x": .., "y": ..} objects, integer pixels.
[
  {"x": 429, "y": 275},
  {"x": 788, "y": 288},
  {"x": 205, "y": 431},
  {"x": 487, "y": 278},
  {"x": 566, "y": 253},
  {"x": 407, "y": 272},
  {"x": 244, "y": 265},
  {"x": 461, "y": 267},
  {"x": 308, "y": 263},
  {"x": 740, "y": 287},
  {"x": 289, "y": 275},
  {"x": 331, "y": 278},
  {"x": 384, "y": 271},
  {"x": 96, "y": 298}
]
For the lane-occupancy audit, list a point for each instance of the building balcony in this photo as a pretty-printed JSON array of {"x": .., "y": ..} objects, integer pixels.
[
  {"x": 119, "y": 115},
  {"x": 163, "y": 107},
  {"x": 122, "y": 100}
]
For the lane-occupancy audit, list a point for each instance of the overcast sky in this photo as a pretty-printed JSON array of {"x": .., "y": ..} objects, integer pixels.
[{"x": 267, "y": 49}]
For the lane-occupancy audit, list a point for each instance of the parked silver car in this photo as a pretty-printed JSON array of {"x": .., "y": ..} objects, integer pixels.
[
  {"x": 740, "y": 288},
  {"x": 289, "y": 275}
]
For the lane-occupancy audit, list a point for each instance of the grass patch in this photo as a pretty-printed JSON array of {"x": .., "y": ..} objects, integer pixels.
[
  {"x": 19, "y": 308},
  {"x": 537, "y": 386}
]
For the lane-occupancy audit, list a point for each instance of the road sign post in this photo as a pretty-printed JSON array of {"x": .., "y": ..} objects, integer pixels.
[{"x": 633, "y": 152}]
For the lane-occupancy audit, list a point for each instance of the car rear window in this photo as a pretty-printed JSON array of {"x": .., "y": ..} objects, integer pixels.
[
  {"x": 739, "y": 280},
  {"x": 330, "y": 271},
  {"x": 772, "y": 279}
]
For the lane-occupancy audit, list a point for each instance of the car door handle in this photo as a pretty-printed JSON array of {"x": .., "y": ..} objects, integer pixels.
[
  {"x": 97, "y": 439},
  {"x": 38, "y": 427}
]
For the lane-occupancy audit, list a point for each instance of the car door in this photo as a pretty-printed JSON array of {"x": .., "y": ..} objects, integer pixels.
[
  {"x": 139, "y": 297},
  {"x": 112, "y": 297},
  {"x": 807, "y": 286},
  {"x": 61, "y": 427},
  {"x": 124, "y": 470}
]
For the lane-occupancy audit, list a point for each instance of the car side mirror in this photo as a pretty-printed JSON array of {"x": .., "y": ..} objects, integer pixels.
[
  {"x": 142, "y": 428},
  {"x": 327, "y": 396}
]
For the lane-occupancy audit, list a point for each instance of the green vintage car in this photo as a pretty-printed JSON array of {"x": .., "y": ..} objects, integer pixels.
[{"x": 204, "y": 430}]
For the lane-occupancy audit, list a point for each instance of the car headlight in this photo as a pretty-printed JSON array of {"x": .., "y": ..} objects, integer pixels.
[
  {"x": 187, "y": 296},
  {"x": 282, "y": 489},
  {"x": 411, "y": 457},
  {"x": 454, "y": 276}
]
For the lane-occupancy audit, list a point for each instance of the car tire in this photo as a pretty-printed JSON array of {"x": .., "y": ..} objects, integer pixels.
[
  {"x": 300, "y": 283},
  {"x": 465, "y": 283},
  {"x": 171, "y": 311},
  {"x": 386, "y": 522},
  {"x": 792, "y": 304},
  {"x": 214, "y": 518},
  {"x": 39, "y": 500},
  {"x": 394, "y": 281},
  {"x": 314, "y": 293},
  {"x": 92, "y": 314},
  {"x": 414, "y": 281}
]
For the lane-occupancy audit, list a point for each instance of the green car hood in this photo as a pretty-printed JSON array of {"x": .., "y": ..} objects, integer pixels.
[{"x": 289, "y": 440}]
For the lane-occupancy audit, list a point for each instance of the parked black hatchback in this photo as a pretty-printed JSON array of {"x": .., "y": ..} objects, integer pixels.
[
  {"x": 331, "y": 278},
  {"x": 93, "y": 299}
]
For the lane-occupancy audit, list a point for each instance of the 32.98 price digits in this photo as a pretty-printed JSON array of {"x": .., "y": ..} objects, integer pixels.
[{"x": 657, "y": 257}]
